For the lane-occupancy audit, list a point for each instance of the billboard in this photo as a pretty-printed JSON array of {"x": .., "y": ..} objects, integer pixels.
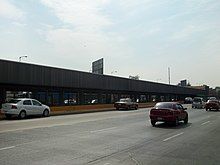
[{"x": 97, "y": 66}]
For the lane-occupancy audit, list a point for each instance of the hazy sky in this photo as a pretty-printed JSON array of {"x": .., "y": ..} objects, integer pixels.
[{"x": 135, "y": 37}]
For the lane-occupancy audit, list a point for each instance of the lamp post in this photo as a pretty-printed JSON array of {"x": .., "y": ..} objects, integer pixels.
[
  {"x": 115, "y": 71},
  {"x": 169, "y": 75},
  {"x": 22, "y": 57}
]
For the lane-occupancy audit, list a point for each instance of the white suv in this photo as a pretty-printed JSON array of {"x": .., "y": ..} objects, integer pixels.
[{"x": 24, "y": 107}]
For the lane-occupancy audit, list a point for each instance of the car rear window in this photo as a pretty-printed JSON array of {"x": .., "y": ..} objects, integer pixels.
[
  {"x": 124, "y": 100},
  {"x": 164, "y": 106},
  {"x": 14, "y": 101},
  {"x": 197, "y": 100},
  {"x": 213, "y": 101}
]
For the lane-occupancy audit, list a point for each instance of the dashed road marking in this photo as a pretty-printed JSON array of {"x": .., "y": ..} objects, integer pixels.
[
  {"x": 6, "y": 148},
  {"x": 102, "y": 130},
  {"x": 205, "y": 123},
  {"x": 173, "y": 136}
]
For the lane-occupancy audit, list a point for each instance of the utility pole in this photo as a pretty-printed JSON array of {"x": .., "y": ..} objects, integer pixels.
[{"x": 169, "y": 74}]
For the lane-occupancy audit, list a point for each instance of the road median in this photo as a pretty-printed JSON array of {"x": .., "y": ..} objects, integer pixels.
[{"x": 76, "y": 109}]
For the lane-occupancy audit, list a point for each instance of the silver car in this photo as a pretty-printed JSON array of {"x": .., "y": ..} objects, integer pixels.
[{"x": 23, "y": 107}]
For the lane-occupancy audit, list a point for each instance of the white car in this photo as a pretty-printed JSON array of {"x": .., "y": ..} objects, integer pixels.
[
  {"x": 198, "y": 102},
  {"x": 23, "y": 107}
]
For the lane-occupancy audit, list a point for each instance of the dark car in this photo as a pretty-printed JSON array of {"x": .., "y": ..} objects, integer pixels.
[
  {"x": 168, "y": 112},
  {"x": 212, "y": 104},
  {"x": 188, "y": 100},
  {"x": 125, "y": 103}
]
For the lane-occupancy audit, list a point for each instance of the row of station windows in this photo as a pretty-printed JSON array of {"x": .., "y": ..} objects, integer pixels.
[{"x": 55, "y": 98}]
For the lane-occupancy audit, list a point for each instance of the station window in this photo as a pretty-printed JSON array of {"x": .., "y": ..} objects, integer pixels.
[
  {"x": 143, "y": 99},
  {"x": 103, "y": 99},
  {"x": 94, "y": 98},
  {"x": 90, "y": 98},
  {"x": 70, "y": 98},
  {"x": 114, "y": 98},
  {"x": 53, "y": 98},
  {"x": 17, "y": 94},
  {"x": 87, "y": 98},
  {"x": 41, "y": 96},
  {"x": 162, "y": 98},
  {"x": 125, "y": 96}
]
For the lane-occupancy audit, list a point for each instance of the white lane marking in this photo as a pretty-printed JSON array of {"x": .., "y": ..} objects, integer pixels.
[
  {"x": 135, "y": 161},
  {"x": 5, "y": 148},
  {"x": 205, "y": 123},
  {"x": 173, "y": 136},
  {"x": 102, "y": 130}
]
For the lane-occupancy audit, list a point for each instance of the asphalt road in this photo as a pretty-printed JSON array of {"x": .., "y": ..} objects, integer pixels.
[{"x": 111, "y": 138}]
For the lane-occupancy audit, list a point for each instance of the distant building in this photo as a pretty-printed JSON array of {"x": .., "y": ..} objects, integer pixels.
[
  {"x": 214, "y": 92},
  {"x": 202, "y": 87},
  {"x": 183, "y": 83}
]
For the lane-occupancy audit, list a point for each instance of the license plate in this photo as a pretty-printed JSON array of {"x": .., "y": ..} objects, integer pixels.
[{"x": 159, "y": 118}]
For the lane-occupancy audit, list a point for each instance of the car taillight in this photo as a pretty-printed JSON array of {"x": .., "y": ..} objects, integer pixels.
[{"x": 13, "y": 107}]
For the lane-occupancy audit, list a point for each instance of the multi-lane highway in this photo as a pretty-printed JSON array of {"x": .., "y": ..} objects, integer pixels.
[{"x": 111, "y": 138}]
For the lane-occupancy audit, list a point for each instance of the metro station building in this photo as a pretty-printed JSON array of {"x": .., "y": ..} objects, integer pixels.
[{"x": 58, "y": 87}]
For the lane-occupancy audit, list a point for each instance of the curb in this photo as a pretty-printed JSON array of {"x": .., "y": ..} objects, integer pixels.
[{"x": 68, "y": 111}]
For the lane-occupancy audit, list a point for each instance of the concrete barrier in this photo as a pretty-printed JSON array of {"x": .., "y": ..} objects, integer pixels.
[{"x": 61, "y": 110}]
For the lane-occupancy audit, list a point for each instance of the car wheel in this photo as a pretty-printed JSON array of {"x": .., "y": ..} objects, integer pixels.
[
  {"x": 22, "y": 115},
  {"x": 8, "y": 116},
  {"x": 136, "y": 107},
  {"x": 46, "y": 113},
  {"x": 153, "y": 123},
  {"x": 117, "y": 108},
  {"x": 186, "y": 120}
]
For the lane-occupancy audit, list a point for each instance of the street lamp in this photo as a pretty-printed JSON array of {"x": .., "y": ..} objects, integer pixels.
[
  {"x": 22, "y": 57},
  {"x": 115, "y": 71}
]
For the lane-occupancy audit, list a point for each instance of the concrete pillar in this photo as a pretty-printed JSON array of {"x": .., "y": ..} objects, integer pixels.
[
  {"x": 2, "y": 96},
  {"x": 61, "y": 98},
  {"x": 81, "y": 99}
]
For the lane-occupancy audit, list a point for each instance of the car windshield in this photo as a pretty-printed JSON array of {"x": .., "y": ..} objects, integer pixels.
[
  {"x": 164, "y": 106},
  {"x": 197, "y": 99},
  {"x": 14, "y": 101}
]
